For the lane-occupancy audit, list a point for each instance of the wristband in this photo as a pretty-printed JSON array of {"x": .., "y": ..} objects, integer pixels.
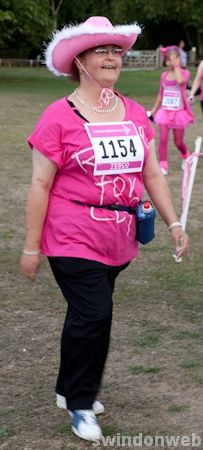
[
  {"x": 174, "y": 224},
  {"x": 31, "y": 253}
]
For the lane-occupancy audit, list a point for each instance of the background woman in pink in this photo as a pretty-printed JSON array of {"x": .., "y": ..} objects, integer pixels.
[
  {"x": 171, "y": 110},
  {"x": 197, "y": 84},
  {"x": 93, "y": 154}
]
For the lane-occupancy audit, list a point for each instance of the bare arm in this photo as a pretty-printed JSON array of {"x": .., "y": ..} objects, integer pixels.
[
  {"x": 197, "y": 81},
  {"x": 158, "y": 190},
  {"x": 157, "y": 104},
  {"x": 43, "y": 175}
]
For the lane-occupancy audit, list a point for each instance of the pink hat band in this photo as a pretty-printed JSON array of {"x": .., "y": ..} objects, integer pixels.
[{"x": 73, "y": 40}]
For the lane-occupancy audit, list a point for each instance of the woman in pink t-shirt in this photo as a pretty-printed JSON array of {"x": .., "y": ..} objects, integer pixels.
[
  {"x": 171, "y": 110},
  {"x": 197, "y": 84},
  {"x": 93, "y": 153}
]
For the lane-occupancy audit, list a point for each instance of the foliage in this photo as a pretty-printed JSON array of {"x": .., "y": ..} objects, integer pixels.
[{"x": 26, "y": 24}]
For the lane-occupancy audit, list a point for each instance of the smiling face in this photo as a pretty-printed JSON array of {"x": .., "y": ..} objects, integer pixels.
[{"x": 103, "y": 64}]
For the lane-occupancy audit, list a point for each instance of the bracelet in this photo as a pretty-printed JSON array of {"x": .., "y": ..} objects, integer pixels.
[
  {"x": 174, "y": 224},
  {"x": 31, "y": 253}
]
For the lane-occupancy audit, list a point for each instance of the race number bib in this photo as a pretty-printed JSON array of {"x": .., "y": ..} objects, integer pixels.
[
  {"x": 171, "y": 99},
  {"x": 117, "y": 147}
]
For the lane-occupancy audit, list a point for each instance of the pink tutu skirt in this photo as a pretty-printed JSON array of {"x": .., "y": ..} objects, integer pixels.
[{"x": 173, "y": 119}]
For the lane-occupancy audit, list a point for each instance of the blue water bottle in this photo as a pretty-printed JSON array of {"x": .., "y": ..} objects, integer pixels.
[{"x": 145, "y": 218}]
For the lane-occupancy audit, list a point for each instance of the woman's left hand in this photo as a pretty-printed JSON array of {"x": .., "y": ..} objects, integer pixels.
[{"x": 181, "y": 241}]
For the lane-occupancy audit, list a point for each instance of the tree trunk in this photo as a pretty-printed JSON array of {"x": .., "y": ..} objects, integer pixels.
[
  {"x": 55, "y": 11},
  {"x": 200, "y": 43}
]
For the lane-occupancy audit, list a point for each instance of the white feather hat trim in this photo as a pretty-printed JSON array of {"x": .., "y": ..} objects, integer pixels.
[{"x": 69, "y": 42}]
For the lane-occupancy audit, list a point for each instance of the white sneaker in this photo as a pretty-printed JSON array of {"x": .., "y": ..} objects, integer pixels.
[
  {"x": 97, "y": 407},
  {"x": 85, "y": 426},
  {"x": 164, "y": 171}
]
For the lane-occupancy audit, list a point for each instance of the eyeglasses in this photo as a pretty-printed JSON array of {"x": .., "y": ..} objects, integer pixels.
[{"x": 104, "y": 51}]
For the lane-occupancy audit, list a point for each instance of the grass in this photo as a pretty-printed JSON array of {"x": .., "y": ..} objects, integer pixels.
[
  {"x": 177, "y": 408},
  {"x": 185, "y": 334},
  {"x": 136, "y": 370},
  {"x": 153, "y": 378},
  {"x": 3, "y": 433},
  {"x": 149, "y": 341},
  {"x": 191, "y": 364},
  {"x": 20, "y": 80}
]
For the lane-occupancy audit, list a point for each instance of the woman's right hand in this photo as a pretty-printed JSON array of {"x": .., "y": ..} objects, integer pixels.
[
  {"x": 191, "y": 99},
  {"x": 30, "y": 266},
  {"x": 150, "y": 116}
]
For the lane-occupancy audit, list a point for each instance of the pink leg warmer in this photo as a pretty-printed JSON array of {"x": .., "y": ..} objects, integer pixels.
[
  {"x": 178, "y": 135},
  {"x": 163, "y": 146}
]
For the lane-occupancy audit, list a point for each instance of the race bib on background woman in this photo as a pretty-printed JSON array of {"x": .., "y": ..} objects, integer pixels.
[{"x": 171, "y": 99}]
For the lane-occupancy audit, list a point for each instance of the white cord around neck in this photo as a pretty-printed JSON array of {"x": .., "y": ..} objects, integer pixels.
[
  {"x": 95, "y": 109},
  {"x": 106, "y": 94}
]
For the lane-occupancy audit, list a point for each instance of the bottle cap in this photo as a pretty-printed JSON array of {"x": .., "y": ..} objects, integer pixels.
[{"x": 147, "y": 207}]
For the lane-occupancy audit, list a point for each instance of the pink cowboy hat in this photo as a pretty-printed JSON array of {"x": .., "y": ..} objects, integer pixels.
[
  {"x": 164, "y": 50},
  {"x": 73, "y": 40}
]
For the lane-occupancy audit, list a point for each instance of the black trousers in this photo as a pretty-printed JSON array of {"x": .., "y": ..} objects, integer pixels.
[{"x": 88, "y": 287}]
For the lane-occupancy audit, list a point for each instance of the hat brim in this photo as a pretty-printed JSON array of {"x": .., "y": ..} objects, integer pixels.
[{"x": 67, "y": 44}]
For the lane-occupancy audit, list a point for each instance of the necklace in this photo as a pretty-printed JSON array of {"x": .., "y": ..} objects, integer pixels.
[{"x": 94, "y": 108}]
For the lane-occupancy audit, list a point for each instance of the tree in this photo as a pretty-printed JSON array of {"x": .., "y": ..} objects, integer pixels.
[
  {"x": 26, "y": 23},
  {"x": 7, "y": 23},
  {"x": 55, "y": 9},
  {"x": 190, "y": 13}
]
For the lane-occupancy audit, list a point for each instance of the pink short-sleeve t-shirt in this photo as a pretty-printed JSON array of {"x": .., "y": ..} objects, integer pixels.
[{"x": 72, "y": 227}]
